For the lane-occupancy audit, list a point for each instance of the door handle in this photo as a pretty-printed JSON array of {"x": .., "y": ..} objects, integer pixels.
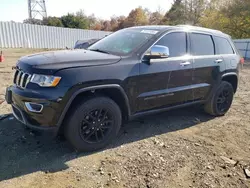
[
  {"x": 185, "y": 64},
  {"x": 218, "y": 61}
]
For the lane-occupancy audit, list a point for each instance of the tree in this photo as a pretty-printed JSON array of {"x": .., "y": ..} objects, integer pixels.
[
  {"x": 97, "y": 26},
  {"x": 185, "y": 12},
  {"x": 213, "y": 19},
  {"x": 73, "y": 21},
  {"x": 155, "y": 18},
  {"x": 53, "y": 21},
  {"x": 33, "y": 21},
  {"x": 231, "y": 17},
  {"x": 80, "y": 13},
  {"x": 238, "y": 13},
  {"x": 176, "y": 14},
  {"x": 114, "y": 22},
  {"x": 92, "y": 21},
  {"x": 136, "y": 17},
  {"x": 194, "y": 9},
  {"x": 147, "y": 13},
  {"x": 117, "y": 23},
  {"x": 106, "y": 25}
]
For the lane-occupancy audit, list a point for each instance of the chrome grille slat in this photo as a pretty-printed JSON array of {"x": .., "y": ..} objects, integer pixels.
[
  {"x": 18, "y": 77},
  {"x": 15, "y": 77},
  {"x": 21, "y": 79},
  {"x": 28, "y": 80}
]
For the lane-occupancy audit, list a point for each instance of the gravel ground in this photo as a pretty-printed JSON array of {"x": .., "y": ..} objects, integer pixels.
[{"x": 180, "y": 148}]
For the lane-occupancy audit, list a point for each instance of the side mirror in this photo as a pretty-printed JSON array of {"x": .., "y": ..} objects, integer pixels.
[{"x": 157, "y": 52}]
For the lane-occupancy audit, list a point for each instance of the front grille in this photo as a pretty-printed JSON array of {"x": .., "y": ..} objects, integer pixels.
[{"x": 21, "y": 79}]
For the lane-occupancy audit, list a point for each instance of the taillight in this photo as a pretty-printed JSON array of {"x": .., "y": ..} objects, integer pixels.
[{"x": 242, "y": 60}]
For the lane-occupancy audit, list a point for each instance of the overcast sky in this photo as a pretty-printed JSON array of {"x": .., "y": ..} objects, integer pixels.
[{"x": 17, "y": 10}]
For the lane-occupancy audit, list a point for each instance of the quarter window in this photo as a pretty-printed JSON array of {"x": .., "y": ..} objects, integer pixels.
[
  {"x": 223, "y": 46},
  {"x": 201, "y": 44},
  {"x": 176, "y": 42}
]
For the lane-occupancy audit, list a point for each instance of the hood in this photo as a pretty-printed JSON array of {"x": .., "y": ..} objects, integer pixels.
[{"x": 62, "y": 59}]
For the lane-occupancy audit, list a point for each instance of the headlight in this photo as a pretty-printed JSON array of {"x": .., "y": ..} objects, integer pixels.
[{"x": 45, "y": 81}]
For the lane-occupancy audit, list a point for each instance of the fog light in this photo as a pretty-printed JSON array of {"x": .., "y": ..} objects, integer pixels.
[{"x": 34, "y": 107}]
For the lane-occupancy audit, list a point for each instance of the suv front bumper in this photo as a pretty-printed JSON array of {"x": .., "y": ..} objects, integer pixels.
[{"x": 44, "y": 120}]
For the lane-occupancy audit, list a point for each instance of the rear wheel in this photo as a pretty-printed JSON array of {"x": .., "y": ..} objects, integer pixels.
[
  {"x": 93, "y": 124},
  {"x": 221, "y": 101}
]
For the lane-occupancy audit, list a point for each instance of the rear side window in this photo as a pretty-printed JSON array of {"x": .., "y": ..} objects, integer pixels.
[
  {"x": 176, "y": 42},
  {"x": 223, "y": 46},
  {"x": 201, "y": 44}
]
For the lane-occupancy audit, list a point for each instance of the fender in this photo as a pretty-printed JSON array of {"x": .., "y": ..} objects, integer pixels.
[
  {"x": 89, "y": 89},
  {"x": 229, "y": 74},
  {"x": 232, "y": 77}
]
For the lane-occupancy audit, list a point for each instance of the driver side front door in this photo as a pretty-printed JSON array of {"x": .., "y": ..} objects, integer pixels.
[{"x": 166, "y": 82}]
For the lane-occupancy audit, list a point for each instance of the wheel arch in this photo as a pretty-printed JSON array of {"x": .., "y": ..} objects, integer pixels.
[
  {"x": 113, "y": 91},
  {"x": 232, "y": 78}
]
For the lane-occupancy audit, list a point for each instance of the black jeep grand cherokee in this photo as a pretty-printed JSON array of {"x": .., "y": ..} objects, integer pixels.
[{"x": 87, "y": 94}]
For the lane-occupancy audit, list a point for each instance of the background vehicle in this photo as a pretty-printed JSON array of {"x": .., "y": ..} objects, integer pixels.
[
  {"x": 133, "y": 72},
  {"x": 84, "y": 44}
]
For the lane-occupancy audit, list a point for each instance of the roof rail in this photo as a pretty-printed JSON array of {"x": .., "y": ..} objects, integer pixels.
[{"x": 199, "y": 28}]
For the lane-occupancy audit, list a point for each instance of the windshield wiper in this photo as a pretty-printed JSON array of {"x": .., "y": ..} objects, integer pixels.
[{"x": 98, "y": 50}]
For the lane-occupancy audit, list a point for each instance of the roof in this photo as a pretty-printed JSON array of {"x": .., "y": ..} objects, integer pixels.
[
  {"x": 197, "y": 28},
  {"x": 167, "y": 27},
  {"x": 154, "y": 27}
]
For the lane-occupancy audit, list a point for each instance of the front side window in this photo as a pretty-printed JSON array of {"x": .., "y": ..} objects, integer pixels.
[
  {"x": 223, "y": 46},
  {"x": 176, "y": 42},
  {"x": 201, "y": 44}
]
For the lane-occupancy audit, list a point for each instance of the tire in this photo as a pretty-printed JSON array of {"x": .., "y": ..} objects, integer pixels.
[
  {"x": 221, "y": 100},
  {"x": 85, "y": 132}
]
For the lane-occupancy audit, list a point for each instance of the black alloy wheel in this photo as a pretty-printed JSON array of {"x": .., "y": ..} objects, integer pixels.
[
  {"x": 93, "y": 123},
  {"x": 224, "y": 100},
  {"x": 96, "y": 125},
  {"x": 221, "y": 100}
]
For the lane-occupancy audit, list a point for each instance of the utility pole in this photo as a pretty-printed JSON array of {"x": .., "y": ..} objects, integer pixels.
[{"x": 37, "y": 9}]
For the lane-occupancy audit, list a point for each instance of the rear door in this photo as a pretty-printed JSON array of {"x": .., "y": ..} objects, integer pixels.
[
  {"x": 207, "y": 65},
  {"x": 225, "y": 49}
]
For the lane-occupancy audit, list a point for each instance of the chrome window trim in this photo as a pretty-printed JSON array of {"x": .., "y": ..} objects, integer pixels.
[
  {"x": 188, "y": 31},
  {"x": 173, "y": 31}
]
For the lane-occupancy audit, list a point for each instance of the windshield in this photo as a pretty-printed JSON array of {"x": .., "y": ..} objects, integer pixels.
[{"x": 123, "y": 42}]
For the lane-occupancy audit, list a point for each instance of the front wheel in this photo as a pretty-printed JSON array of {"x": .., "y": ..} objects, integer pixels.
[
  {"x": 221, "y": 100},
  {"x": 93, "y": 124}
]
